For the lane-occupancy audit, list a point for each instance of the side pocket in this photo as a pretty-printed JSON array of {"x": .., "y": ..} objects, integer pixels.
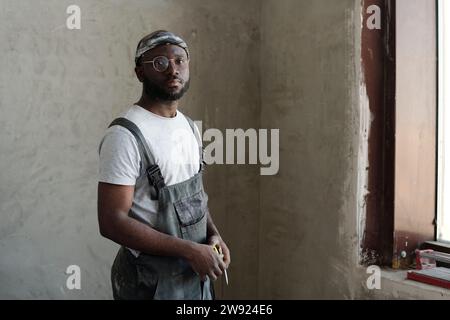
[
  {"x": 147, "y": 283},
  {"x": 192, "y": 209},
  {"x": 131, "y": 281}
]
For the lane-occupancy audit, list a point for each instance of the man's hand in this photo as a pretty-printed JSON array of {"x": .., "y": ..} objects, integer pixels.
[{"x": 205, "y": 262}]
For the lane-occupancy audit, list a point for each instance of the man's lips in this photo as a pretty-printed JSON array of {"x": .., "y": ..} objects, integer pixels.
[{"x": 173, "y": 83}]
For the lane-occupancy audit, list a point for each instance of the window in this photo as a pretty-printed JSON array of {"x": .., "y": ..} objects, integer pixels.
[
  {"x": 443, "y": 188},
  {"x": 400, "y": 77}
]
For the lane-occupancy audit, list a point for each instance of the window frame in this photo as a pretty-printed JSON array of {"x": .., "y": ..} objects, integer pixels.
[
  {"x": 385, "y": 241},
  {"x": 443, "y": 99}
]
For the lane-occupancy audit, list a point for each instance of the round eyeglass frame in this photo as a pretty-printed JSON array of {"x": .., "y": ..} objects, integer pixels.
[{"x": 166, "y": 62}]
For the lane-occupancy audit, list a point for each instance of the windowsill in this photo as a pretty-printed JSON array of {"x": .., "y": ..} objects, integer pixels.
[
  {"x": 418, "y": 290},
  {"x": 437, "y": 246}
]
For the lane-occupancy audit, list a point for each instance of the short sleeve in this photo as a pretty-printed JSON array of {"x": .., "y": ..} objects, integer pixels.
[
  {"x": 198, "y": 135},
  {"x": 119, "y": 157}
]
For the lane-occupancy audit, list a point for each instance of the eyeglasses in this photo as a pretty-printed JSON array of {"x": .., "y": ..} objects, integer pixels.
[{"x": 161, "y": 63}]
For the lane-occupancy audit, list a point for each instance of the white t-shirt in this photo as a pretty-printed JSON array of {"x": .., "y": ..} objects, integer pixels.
[{"x": 172, "y": 144}]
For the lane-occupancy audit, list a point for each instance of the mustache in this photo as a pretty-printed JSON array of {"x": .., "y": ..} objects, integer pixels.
[{"x": 175, "y": 78}]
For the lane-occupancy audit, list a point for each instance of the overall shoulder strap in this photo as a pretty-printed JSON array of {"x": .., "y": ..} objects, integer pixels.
[
  {"x": 199, "y": 141},
  {"x": 148, "y": 163},
  {"x": 144, "y": 149}
]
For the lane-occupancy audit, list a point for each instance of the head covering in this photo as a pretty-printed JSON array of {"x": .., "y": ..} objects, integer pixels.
[{"x": 157, "y": 38}]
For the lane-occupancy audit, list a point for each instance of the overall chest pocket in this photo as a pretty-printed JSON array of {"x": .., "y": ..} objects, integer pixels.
[{"x": 192, "y": 209}]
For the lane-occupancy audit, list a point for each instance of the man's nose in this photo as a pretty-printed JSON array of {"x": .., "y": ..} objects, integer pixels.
[{"x": 172, "y": 68}]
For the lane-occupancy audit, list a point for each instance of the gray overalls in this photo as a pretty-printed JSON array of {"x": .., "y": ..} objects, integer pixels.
[{"x": 182, "y": 213}]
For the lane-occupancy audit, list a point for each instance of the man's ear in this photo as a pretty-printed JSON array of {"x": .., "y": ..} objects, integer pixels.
[{"x": 139, "y": 70}]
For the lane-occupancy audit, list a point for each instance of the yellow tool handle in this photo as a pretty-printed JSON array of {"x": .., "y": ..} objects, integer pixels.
[{"x": 217, "y": 249}]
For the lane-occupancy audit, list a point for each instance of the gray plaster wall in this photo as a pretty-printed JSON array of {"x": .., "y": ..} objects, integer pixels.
[
  {"x": 60, "y": 88},
  {"x": 308, "y": 211}
]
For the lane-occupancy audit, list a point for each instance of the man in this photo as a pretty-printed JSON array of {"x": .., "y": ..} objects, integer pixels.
[{"x": 151, "y": 199}]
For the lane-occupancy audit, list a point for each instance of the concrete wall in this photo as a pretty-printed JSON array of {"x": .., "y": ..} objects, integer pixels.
[
  {"x": 60, "y": 88},
  {"x": 308, "y": 232}
]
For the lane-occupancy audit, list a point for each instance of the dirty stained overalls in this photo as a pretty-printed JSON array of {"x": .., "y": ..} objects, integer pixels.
[{"x": 182, "y": 212}]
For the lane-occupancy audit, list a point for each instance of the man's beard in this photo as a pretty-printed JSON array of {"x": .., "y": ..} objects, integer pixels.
[{"x": 154, "y": 91}]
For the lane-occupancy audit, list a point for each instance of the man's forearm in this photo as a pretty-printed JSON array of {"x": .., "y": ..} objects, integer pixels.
[{"x": 133, "y": 234}]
